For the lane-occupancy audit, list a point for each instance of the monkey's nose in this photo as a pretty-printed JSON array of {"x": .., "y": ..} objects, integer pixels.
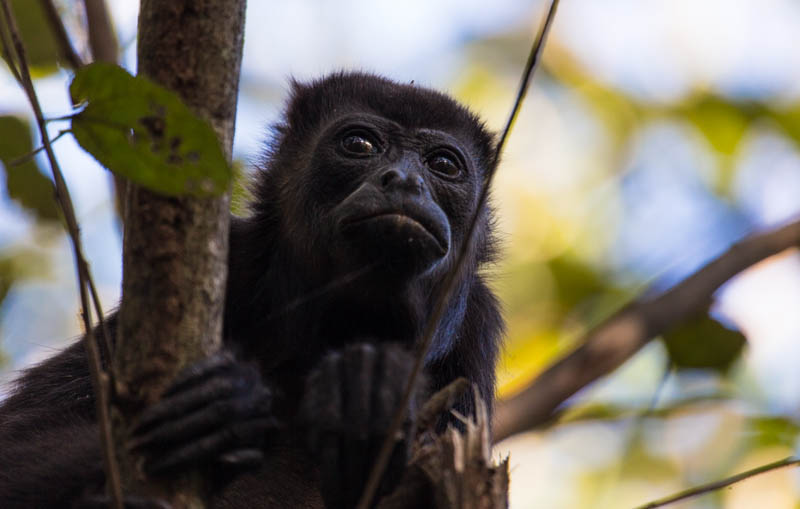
[{"x": 397, "y": 178}]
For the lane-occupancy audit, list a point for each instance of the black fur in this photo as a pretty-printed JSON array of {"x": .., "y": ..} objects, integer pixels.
[{"x": 299, "y": 288}]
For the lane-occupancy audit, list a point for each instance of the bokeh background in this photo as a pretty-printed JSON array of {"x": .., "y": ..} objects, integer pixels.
[{"x": 657, "y": 133}]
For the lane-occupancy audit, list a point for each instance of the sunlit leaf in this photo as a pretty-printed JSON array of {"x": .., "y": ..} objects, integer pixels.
[
  {"x": 704, "y": 344},
  {"x": 144, "y": 132},
  {"x": 638, "y": 461},
  {"x": 523, "y": 358},
  {"x": 25, "y": 184},
  {"x": 722, "y": 123},
  {"x": 773, "y": 430},
  {"x": 18, "y": 265},
  {"x": 15, "y": 266},
  {"x": 789, "y": 121},
  {"x": 241, "y": 195},
  {"x": 40, "y": 45},
  {"x": 575, "y": 280},
  {"x": 583, "y": 291}
]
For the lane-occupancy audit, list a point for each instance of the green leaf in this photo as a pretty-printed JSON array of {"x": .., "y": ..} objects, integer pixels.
[
  {"x": 144, "y": 132},
  {"x": 789, "y": 120},
  {"x": 19, "y": 265},
  {"x": 25, "y": 184},
  {"x": 704, "y": 344},
  {"x": 37, "y": 36},
  {"x": 724, "y": 124},
  {"x": 241, "y": 195},
  {"x": 575, "y": 280},
  {"x": 768, "y": 431}
]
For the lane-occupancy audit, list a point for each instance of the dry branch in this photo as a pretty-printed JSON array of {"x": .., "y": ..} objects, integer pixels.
[
  {"x": 452, "y": 470},
  {"x": 614, "y": 341}
]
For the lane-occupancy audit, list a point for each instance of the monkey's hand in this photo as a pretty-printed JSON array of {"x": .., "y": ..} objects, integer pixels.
[
  {"x": 351, "y": 398},
  {"x": 216, "y": 416}
]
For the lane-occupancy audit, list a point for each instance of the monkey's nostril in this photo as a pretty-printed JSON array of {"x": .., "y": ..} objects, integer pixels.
[{"x": 388, "y": 177}]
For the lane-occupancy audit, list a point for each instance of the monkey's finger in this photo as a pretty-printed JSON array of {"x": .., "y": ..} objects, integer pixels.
[
  {"x": 210, "y": 447},
  {"x": 218, "y": 363},
  {"x": 322, "y": 405},
  {"x": 218, "y": 388},
  {"x": 130, "y": 502},
  {"x": 358, "y": 377},
  {"x": 209, "y": 418},
  {"x": 329, "y": 456},
  {"x": 355, "y": 462},
  {"x": 242, "y": 459}
]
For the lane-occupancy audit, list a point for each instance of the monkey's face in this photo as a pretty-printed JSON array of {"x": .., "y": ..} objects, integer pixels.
[{"x": 389, "y": 195}]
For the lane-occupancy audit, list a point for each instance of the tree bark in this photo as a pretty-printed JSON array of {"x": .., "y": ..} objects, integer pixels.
[{"x": 175, "y": 248}]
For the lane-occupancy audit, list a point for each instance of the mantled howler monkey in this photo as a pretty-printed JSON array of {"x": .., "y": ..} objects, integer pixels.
[{"x": 362, "y": 204}]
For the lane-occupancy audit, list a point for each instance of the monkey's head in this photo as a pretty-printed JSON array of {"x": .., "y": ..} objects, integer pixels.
[{"x": 368, "y": 172}]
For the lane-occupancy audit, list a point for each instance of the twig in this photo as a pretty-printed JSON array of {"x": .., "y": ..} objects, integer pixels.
[
  {"x": 30, "y": 155},
  {"x": 443, "y": 297},
  {"x": 84, "y": 278},
  {"x": 60, "y": 33},
  {"x": 722, "y": 483},
  {"x": 615, "y": 340},
  {"x": 6, "y": 43}
]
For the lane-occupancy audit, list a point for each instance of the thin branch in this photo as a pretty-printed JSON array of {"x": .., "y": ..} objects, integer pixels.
[
  {"x": 84, "y": 278},
  {"x": 448, "y": 286},
  {"x": 527, "y": 74},
  {"x": 65, "y": 47},
  {"x": 614, "y": 341},
  {"x": 6, "y": 43},
  {"x": 102, "y": 39},
  {"x": 722, "y": 483},
  {"x": 30, "y": 155}
]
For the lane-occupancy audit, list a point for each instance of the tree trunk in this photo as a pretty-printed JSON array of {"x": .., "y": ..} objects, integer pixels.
[{"x": 175, "y": 249}]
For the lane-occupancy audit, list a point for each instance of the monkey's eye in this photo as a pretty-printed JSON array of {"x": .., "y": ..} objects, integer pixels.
[
  {"x": 444, "y": 163},
  {"x": 359, "y": 144}
]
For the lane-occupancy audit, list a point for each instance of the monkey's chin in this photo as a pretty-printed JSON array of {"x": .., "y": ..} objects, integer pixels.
[{"x": 397, "y": 242}]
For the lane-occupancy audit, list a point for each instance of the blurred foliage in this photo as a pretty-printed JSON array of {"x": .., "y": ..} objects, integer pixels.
[
  {"x": 40, "y": 44},
  {"x": 772, "y": 430},
  {"x": 704, "y": 343},
  {"x": 558, "y": 280},
  {"x": 241, "y": 195},
  {"x": 25, "y": 183},
  {"x": 579, "y": 292},
  {"x": 17, "y": 265}
]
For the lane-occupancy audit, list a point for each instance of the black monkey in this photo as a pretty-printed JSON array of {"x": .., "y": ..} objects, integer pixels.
[{"x": 361, "y": 205}]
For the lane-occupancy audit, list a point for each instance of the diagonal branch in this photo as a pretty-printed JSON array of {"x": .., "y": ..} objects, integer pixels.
[
  {"x": 722, "y": 483},
  {"x": 65, "y": 47},
  {"x": 614, "y": 341}
]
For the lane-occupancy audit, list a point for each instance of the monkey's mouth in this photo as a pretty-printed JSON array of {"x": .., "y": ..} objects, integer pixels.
[{"x": 410, "y": 229}]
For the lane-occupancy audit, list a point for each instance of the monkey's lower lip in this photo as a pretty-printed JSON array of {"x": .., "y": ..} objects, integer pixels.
[{"x": 401, "y": 221}]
